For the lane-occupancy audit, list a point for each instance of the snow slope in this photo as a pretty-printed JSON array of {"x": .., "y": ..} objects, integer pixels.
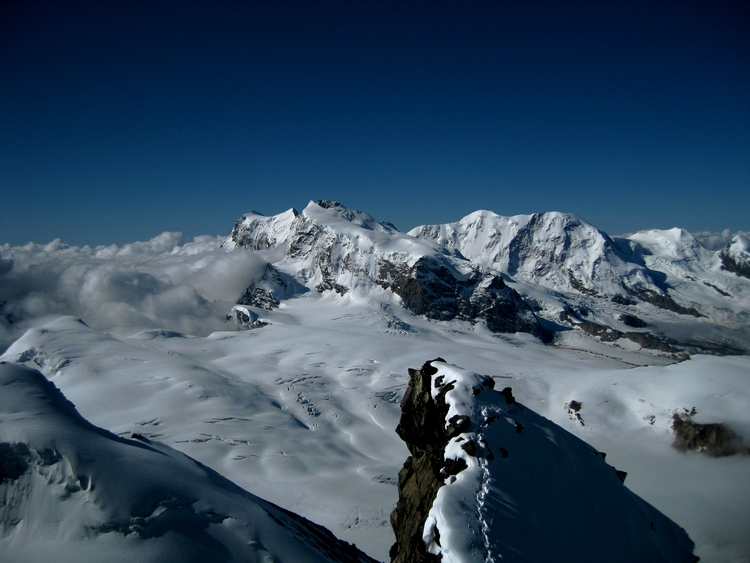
[
  {"x": 75, "y": 492},
  {"x": 558, "y": 251},
  {"x": 531, "y": 491},
  {"x": 302, "y": 411},
  {"x": 659, "y": 282}
]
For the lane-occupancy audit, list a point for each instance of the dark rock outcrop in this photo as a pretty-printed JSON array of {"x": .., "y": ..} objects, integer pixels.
[
  {"x": 422, "y": 427},
  {"x": 633, "y": 321},
  {"x": 734, "y": 264},
  {"x": 433, "y": 289},
  {"x": 663, "y": 301},
  {"x": 715, "y": 439},
  {"x": 608, "y": 334},
  {"x": 489, "y": 479}
]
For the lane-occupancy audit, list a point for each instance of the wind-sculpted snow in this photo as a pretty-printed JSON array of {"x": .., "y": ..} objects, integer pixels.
[
  {"x": 517, "y": 487},
  {"x": 75, "y": 492}
]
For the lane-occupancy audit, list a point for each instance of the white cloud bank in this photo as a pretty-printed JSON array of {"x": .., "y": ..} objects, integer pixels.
[
  {"x": 162, "y": 283},
  {"x": 717, "y": 241}
]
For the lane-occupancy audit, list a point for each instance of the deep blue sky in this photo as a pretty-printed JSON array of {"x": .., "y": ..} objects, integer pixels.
[{"x": 119, "y": 120}]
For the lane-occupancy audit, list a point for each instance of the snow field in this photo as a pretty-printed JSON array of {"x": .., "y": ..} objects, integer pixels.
[{"x": 303, "y": 411}]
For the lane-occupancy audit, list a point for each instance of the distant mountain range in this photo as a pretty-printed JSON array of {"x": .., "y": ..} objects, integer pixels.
[
  {"x": 544, "y": 274},
  {"x": 300, "y": 398}
]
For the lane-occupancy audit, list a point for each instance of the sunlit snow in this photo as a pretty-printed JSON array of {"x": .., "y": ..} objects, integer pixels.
[{"x": 302, "y": 412}]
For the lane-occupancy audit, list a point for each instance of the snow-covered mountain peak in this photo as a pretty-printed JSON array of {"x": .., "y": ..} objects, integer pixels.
[
  {"x": 322, "y": 220},
  {"x": 672, "y": 244},
  {"x": 739, "y": 244},
  {"x": 567, "y": 267},
  {"x": 331, "y": 249},
  {"x": 327, "y": 212},
  {"x": 259, "y": 232},
  {"x": 479, "y": 234},
  {"x": 735, "y": 256},
  {"x": 560, "y": 251}
]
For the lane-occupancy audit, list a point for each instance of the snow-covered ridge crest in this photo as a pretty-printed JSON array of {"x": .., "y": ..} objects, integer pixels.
[
  {"x": 517, "y": 487},
  {"x": 559, "y": 251},
  {"x": 324, "y": 223},
  {"x": 330, "y": 249},
  {"x": 75, "y": 492},
  {"x": 571, "y": 272}
]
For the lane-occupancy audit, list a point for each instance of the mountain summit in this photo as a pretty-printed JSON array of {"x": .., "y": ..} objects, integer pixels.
[
  {"x": 328, "y": 248},
  {"x": 547, "y": 274}
]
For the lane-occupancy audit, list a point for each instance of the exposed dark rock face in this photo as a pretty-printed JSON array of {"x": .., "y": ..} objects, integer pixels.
[
  {"x": 633, "y": 321},
  {"x": 718, "y": 290},
  {"x": 266, "y": 292},
  {"x": 653, "y": 342},
  {"x": 255, "y": 296},
  {"x": 422, "y": 427},
  {"x": 715, "y": 440},
  {"x": 623, "y": 300},
  {"x": 574, "y": 410},
  {"x": 663, "y": 301},
  {"x": 432, "y": 289},
  {"x": 245, "y": 318},
  {"x": 734, "y": 264},
  {"x": 608, "y": 334},
  {"x": 14, "y": 461}
]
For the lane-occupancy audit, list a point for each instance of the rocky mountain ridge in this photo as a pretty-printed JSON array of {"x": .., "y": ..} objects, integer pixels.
[
  {"x": 545, "y": 274},
  {"x": 489, "y": 479},
  {"x": 328, "y": 248}
]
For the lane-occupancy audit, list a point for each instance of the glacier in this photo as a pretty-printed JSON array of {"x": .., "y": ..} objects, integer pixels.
[{"x": 302, "y": 410}]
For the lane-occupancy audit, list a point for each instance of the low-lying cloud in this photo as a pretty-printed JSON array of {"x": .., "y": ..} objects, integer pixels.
[
  {"x": 717, "y": 241},
  {"x": 162, "y": 283}
]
